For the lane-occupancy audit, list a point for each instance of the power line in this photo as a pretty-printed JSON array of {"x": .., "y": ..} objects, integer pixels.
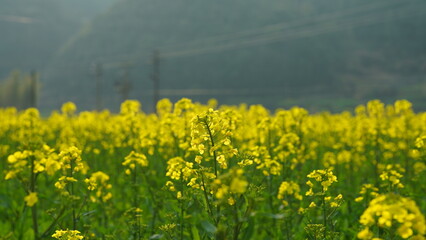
[
  {"x": 18, "y": 19},
  {"x": 238, "y": 91},
  {"x": 296, "y": 30},
  {"x": 289, "y": 25},
  {"x": 296, "y": 34}
]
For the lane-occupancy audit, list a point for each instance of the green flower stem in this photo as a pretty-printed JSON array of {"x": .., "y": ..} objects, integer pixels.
[
  {"x": 74, "y": 217},
  {"x": 46, "y": 233},
  {"x": 154, "y": 203},
  {"x": 34, "y": 208},
  {"x": 324, "y": 215},
  {"x": 182, "y": 211},
  {"x": 136, "y": 232},
  {"x": 209, "y": 207},
  {"x": 212, "y": 143},
  {"x": 237, "y": 226},
  {"x": 215, "y": 164}
]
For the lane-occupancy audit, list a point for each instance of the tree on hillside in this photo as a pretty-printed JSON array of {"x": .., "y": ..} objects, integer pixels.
[{"x": 18, "y": 90}]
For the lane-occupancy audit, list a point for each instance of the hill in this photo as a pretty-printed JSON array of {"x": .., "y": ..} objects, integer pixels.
[
  {"x": 33, "y": 30},
  {"x": 269, "y": 52}
]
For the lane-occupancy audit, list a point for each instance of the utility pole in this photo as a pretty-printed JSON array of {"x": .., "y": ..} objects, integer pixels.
[
  {"x": 155, "y": 77},
  {"x": 125, "y": 85},
  {"x": 99, "y": 93},
  {"x": 33, "y": 89}
]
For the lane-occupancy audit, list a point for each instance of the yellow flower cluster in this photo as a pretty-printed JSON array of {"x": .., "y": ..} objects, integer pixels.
[
  {"x": 211, "y": 134},
  {"x": 368, "y": 191},
  {"x": 391, "y": 211},
  {"x": 212, "y": 157},
  {"x": 99, "y": 181},
  {"x": 67, "y": 235},
  {"x": 324, "y": 177},
  {"x": 391, "y": 175},
  {"x": 288, "y": 189},
  {"x": 134, "y": 159},
  {"x": 230, "y": 185},
  {"x": 63, "y": 181},
  {"x": 43, "y": 160},
  {"x": 31, "y": 199},
  {"x": 17, "y": 162},
  {"x": 334, "y": 202},
  {"x": 323, "y": 180},
  {"x": 68, "y": 108},
  {"x": 130, "y": 107},
  {"x": 420, "y": 142},
  {"x": 178, "y": 168},
  {"x": 70, "y": 159}
]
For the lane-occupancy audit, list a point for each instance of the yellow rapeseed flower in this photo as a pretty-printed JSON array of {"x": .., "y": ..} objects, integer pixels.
[
  {"x": 31, "y": 199},
  {"x": 67, "y": 235},
  {"x": 390, "y": 212}
]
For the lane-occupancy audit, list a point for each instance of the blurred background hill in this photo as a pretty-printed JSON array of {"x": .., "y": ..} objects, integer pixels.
[
  {"x": 323, "y": 55},
  {"x": 32, "y": 31}
]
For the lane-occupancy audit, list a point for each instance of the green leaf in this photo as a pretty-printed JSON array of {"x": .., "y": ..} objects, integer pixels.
[
  {"x": 88, "y": 213},
  {"x": 195, "y": 234},
  {"x": 156, "y": 236},
  {"x": 208, "y": 227},
  {"x": 248, "y": 233}
]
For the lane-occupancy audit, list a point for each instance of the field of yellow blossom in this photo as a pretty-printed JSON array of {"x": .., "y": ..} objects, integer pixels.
[{"x": 195, "y": 171}]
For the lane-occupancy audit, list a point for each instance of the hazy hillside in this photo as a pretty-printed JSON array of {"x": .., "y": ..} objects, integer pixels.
[
  {"x": 281, "y": 49},
  {"x": 33, "y": 30}
]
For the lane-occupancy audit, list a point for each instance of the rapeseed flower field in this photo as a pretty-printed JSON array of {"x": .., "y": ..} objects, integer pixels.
[{"x": 203, "y": 171}]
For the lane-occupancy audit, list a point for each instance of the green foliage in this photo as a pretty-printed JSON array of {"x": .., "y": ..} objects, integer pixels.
[
  {"x": 16, "y": 90},
  {"x": 288, "y": 175}
]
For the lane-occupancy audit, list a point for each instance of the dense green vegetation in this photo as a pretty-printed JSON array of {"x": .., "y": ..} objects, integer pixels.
[
  {"x": 211, "y": 172},
  {"x": 203, "y": 171}
]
